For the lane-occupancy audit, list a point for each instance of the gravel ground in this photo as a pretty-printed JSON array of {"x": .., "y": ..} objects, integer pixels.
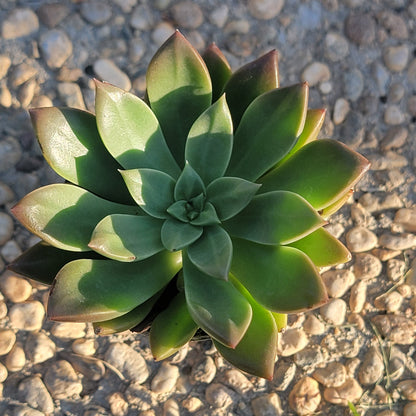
[{"x": 359, "y": 59}]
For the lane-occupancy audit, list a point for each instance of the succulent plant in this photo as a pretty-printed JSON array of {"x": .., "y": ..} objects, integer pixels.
[{"x": 200, "y": 207}]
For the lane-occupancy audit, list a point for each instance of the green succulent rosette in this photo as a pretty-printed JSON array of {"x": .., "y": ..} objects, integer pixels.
[{"x": 202, "y": 206}]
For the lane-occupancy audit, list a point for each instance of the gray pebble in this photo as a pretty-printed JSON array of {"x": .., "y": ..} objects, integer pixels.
[
  {"x": 107, "y": 70},
  {"x": 62, "y": 380},
  {"x": 390, "y": 160},
  {"x": 204, "y": 371},
  {"x": 96, "y": 12},
  {"x": 137, "y": 48},
  {"x": 396, "y": 57},
  {"x": 141, "y": 18},
  {"x": 237, "y": 381},
  {"x": 336, "y": 46},
  {"x": 341, "y": 110},
  {"x": 165, "y": 379},
  {"x": 360, "y": 28},
  {"x": 27, "y": 316},
  {"x": 53, "y": 14},
  {"x": 395, "y": 137},
  {"x": 393, "y": 115},
  {"x": 265, "y": 9},
  {"x": 219, "y": 396},
  {"x": 32, "y": 391},
  {"x": 39, "y": 347},
  {"x": 353, "y": 84},
  {"x": 6, "y": 228},
  {"x": 406, "y": 218},
  {"x": 161, "y": 33},
  {"x": 10, "y": 251},
  {"x": 284, "y": 375},
  {"x": 352, "y": 129},
  {"x": 91, "y": 368},
  {"x": 372, "y": 368},
  {"x": 310, "y": 357},
  {"x": 394, "y": 24},
  {"x": 396, "y": 92},
  {"x": 7, "y": 340},
  {"x": 187, "y": 14},
  {"x": 140, "y": 396},
  {"x": 19, "y": 23},
  {"x": 267, "y": 405},
  {"x": 22, "y": 73},
  {"x": 315, "y": 73},
  {"x": 56, "y": 48},
  {"x": 219, "y": 16},
  {"x": 10, "y": 153},
  {"x": 309, "y": 15},
  {"x": 334, "y": 311},
  {"x": 382, "y": 77},
  {"x": 337, "y": 282},
  {"x": 333, "y": 375}
]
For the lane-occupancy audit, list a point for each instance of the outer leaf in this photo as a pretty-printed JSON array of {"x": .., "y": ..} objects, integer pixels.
[
  {"x": 151, "y": 189},
  {"x": 65, "y": 215},
  {"x": 73, "y": 148},
  {"x": 42, "y": 262},
  {"x": 268, "y": 130},
  {"x": 127, "y": 237},
  {"x": 230, "y": 195},
  {"x": 282, "y": 279},
  {"x": 249, "y": 82},
  {"x": 256, "y": 352},
  {"x": 219, "y": 69},
  {"x": 99, "y": 290},
  {"x": 323, "y": 248},
  {"x": 177, "y": 235},
  {"x": 321, "y": 172},
  {"x": 335, "y": 206},
  {"x": 216, "y": 305},
  {"x": 140, "y": 142},
  {"x": 189, "y": 184},
  {"x": 280, "y": 319},
  {"x": 179, "y": 90},
  {"x": 171, "y": 329},
  {"x": 213, "y": 252},
  {"x": 278, "y": 217},
  {"x": 210, "y": 142}
]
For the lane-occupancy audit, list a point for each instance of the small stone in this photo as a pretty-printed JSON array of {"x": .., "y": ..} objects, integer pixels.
[
  {"x": 408, "y": 389},
  {"x": 6, "y": 99},
  {"x": 39, "y": 347},
  {"x": 219, "y": 15},
  {"x": 337, "y": 282},
  {"x": 84, "y": 346},
  {"x": 353, "y": 129},
  {"x": 27, "y": 92},
  {"x": 187, "y": 14},
  {"x": 353, "y": 84},
  {"x": 391, "y": 302},
  {"x": 382, "y": 76},
  {"x": 3, "y": 374},
  {"x": 15, "y": 359},
  {"x": 91, "y": 368},
  {"x": 372, "y": 368},
  {"x": 265, "y": 9},
  {"x": 106, "y": 70},
  {"x": 333, "y": 375},
  {"x": 137, "y": 48},
  {"x": 334, "y": 311},
  {"x": 7, "y": 341},
  {"x": 367, "y": 266},
  {"x": 53, "y": 14},
  {"x": 204, "y": 371},
  {"x": 393, "y": 115},
  {"x": 10, "y": 153},
  {"x": 409, "y": 409},
  {"x": 141, "y": 18},
  {"x": 56, "y": 48},
  {"x": 6, "y": 229},
  {"x": 406, "y": 217},
  {"x": 358, "y": 297},
  {"x": 395, "y": 138},
  {"x": 238, "y": 26},
  {"x": 3, "y": 309},
  {"x": 396, "y": 328},
  {"x": 32, "y": 391},
  {"x": 394, "y": 24},
  {"x": 165, "y": 379},
  {"x": 360, "y": 28},
  {"x": 411, "y": 73},
  {"x": 397, "y": 363},
  {"x": 315, "y": 73},
  {"x": 360, "y": 239},
  {"x": 219, "y": 396},
  {"x": 128, "y": 361},
  {"x": 267, "y": 405},
  {"x": 341, "y": 109},
  {"x": 396, "y": 57},
  {"x": 95, "y": 12},
  {"x": 140, "y": 396},
  {"x": 390, "y": 161},
  {"x": 42, "y": 101},
  {"x": 350, "y": 391},
  {"x": 396, "y": 93},
  {"x": 291, "y": 341},
  {"x": 118, "y": 404},
  {"x": 336, "y": 46},
  {"x": 171, "y": 408},
  {"x": 192, "y": 404},
  {"x": 68, "y": 330},
  {"x": 22, "y": 73},
  {"x": 5, "y": 63},
  {"x": 397, "y": 241},
  {"x": 237, "y": 381},
  {"x": 310, "y": 357},
  {"x": 26, "y": 411},
  {"x": 27, "y": 316},
  {"x": 305, "y": 396},
  {"x": 161, "y": 32},
  {"x": 283, "y": 376},
  {"x": 313, "y": 326},
  {"x": 62, "y": 381},
  {"x": 19, "y": 23},
  {"x": 10, "y": 251},
  {"x": 15, "y": 288},
  {"x": 71, "y": 95}
]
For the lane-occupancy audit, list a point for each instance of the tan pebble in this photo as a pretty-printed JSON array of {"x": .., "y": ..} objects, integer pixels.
[
  {"x": 265, "y": 9},
  {"x": 284, "y": 375},
  {"x": 384, "y": 254},
  {"x": 313, "y": 326},
  {"x": 305, "y": 396},
  {"x": 350, "y": 391},
  {"x": 396, "y": 328},
  {"x": 334, "y": 311},
  {"x": 70, "y": 93},
  {"x": 3, "y": 373},
  {"x": 6, "y": 99},
  {"x": 269, "y": 404},
  {"x": 333, "y": 375},
  {"x": 337, "y": 282},
  {"x": 358, "y": 297},
  {"x": 188, "y": 14},
  {"x": 62, "y": 381},
  {"x": 218, "y": 395},
  {"x": 315, "y": 73},
  {"x": 341, "y": 110},
  {"x": 395, "y": 269},
  {"x": 291, "y": 341},
  {"x": 39, "y": 347},
  {"x": 372, "y": 367},
  {"x": 406, "y": 217},
  {"x": 360, "y": 239},
  {"x": 192, "y": 404},
  {"x": 351, "y": 365},
  {"x": 165, "y": 379},
  {"x": 204, "y": 371},
  {"x": 237, "y": 381},
  {"x": 396, "y": 57},
  {"x": 356, "y": 320},
  {"x": 366, "y": 266},
  {"x": 387, "y": 413},
  {"x": 27, "y": 316},
  {"x": 397, "y": 241},
  {"x": 118, "y": 404},
  {"x": 41, "y": 101},
  {"x": 161, "y": 32},
  {"x": 27, "y": 92},
  {"x": 5, "y": 63},
  {"x": 14, "y": 287},
  {"x": 171, "y": 408},
  {"x": 390, "y": 302},
  {"x": 410, "y": 409},
  {"x": 408, "y": 389},
  {"x": 68, "y": 330},
  {"x": 3, "y": 309},
  {"x": 84, "y": 346},
  {"x": 7, "y": 340},
  {"x": 16, "y": 358}
]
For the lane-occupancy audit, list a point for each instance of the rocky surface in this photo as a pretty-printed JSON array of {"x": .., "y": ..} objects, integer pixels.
[{"x": 359, "y": 58}]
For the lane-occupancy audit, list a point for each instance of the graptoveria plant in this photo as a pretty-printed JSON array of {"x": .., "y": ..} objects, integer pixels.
[{"x": 202, "y": 206}]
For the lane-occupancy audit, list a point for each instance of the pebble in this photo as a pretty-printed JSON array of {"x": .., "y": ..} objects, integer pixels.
[
  {"x": 411, "y": 73},
  {"x": 334, "y": 311},
  {"x": 52, "y": 14},
  {"x": 56, "y": 48},
  {"x": 310, "y": 357},
  {"x": 411, "y": 105},
  {"x": 84, "y": 346},
  {"x": 284, "y": 374},
  {"x": 118, "y": 404},
  {"x": 141, "y": 18},
  {"x": 397, "y": 241},
  {"x": 372, "y": 368},
  {"x": 313, "y": 325},
  {"x": 10, "y": 153},
  {"x": 396, "y": 57},
  {"x": 219, "y": 396},
  {"x": 409, "y": 409},
  {"x": 237, "y": 381},
  {"x": 3, "y": 374},
  {"x": 395, "y": 138},
  {"x": 353, "y": 129},
  {"x": 337, "y": 282},
  {"x": 15, "y": 288},
  {"x": 408, "y": 389},
  {"x": 128, "y": 361},
  {"x": 22, "y": 73},
  {"x": 6, "y": 228},
  {"x": 27, "y": 92},
  {"x": 333, "y": 375},
  {"x": 204, "y": 371},
  {"x": 10, "y": 251},
  {"x": 7, "y": 341},
  {"x": 305, "y": 396},
  {"x": 360, "y": 28},
  {"x": 350, "y": 391},
  {"x": 393, "y": 115},
  {"x": 187, "y": 14},
  {"x": 71, "y": 95},
  {"x": 33, "y": 392},
  {"x": 396, "y": 92},
  {"x": 291, "y": 341},
  {"x": 6, "y": 99},
  {"x": 406, "y": 217},
  {"x": 341, "y": 110},
  {"x": 161, "y": 32},
  {"x": 68, "y": 330},
  {"x": 15, "y": 359},
  {"x": 39, "y": 347},
  {"x": 315, "y": 73},
  {"x": 265, "y": 9},
  {"x": 95, "y": 12},
  {"x": 356, "y": 320},
  {"x": 219, "y": 16},
  {"x": 42, "y": 101},
  {"x": 106, "y": 70},
  {"x": 62, "y": 380},
  {"x": 396, "y": 328},
  {"x": 389, "y": 161},
  {"x": 367, "y": 266},
  {"x": 267, "y": 405},
  {"x": 353, "y": 84},
  {"x": 91, "y": 368},
  {"x": 20, "y": 22},
  {"x": 140, "y": 396},
  {"x": 171, "y": 408},
  {"x": 360, "y": 239},
  {"x": 27, "y": 316},
  {"x": 397, "y": 363},
  {"x": 3, "y": 308},
  {"x": 390, "y": 302},
  {"x": 358, "y": 296},
  {"x": 394, "y": 24},
  {"x": 192, "y": 404},
  {"x": 136, "y": 49},
  {"x": 336, "y": 46},
  {"x": 5, "y": 63},
  {"x": 165, "y": 379}
]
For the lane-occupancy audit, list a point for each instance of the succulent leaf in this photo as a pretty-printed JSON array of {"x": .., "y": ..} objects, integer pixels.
[
  {"x": 140, "y": 142},
  {"x": 210, "y": 141},
  {"x": 278, "y": 217},
  {"x": 208, "y": 216},
  {"x": 71, "y": 144},
  {"x": 65, "y": 215},
  {"x": 321, "y": 172},
  {"x": 278, "y": 273},
  {"x": 163, "y": 341},
  {"x": 179, "y": 90},
  {"x": 177, "y": 235},
  {"x": 268, "y": 130},
  {"x": 250, "y": 81},
  {"x": 280, "y": 319},
  {"x": 335, "y": 206},
  {"x": 189, "y": 184},
  {"x": 127, "y": 237},
  {"x": 122, "y": 286},
  {"x": 151, "y": 189},
  {"x": 216, "y": 305}
]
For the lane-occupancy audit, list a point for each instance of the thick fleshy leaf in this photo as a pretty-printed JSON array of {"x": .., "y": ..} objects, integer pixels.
[
  {"x": 268, "y": 130},
  {"x": 216, "y": 305},
  {"x": 127, "y": 237},
  {"x": 321, "y": 172},
  {"x": 280, "y": 319},
  {"x": 71, "y": 145},
  {"x": 65, "y": 215},
  {"x": 208, "y": 216},
  {"x": 323, "y": 248},
  {"x": 219, "y": 69},
  {"x": 189, "y": 184},
  {"x": 250, "y": 81},
  {"x": 230, "y": 195},
  {"x": 151, "y": 189},
  {"x": 99, "y": 290},
  {"x": 179, "y": 210},
  {"x": 42, "y": 261},
  {"x": 179, "y": 90},
  {"x": 172, "y": 328},
  {"x": 177, "y": 235},
  {"x": 313, "y": 124},
  {"x": 256, "y": 352},
  {"x": 210, "y": 142},
  {"x": 213, "y": 252},
  {"x": 279, "y": 217},
  {"x": 335, "y": 206},
  {"x": 282, "y": 279},
  {"x": 131, "y": 131}
]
